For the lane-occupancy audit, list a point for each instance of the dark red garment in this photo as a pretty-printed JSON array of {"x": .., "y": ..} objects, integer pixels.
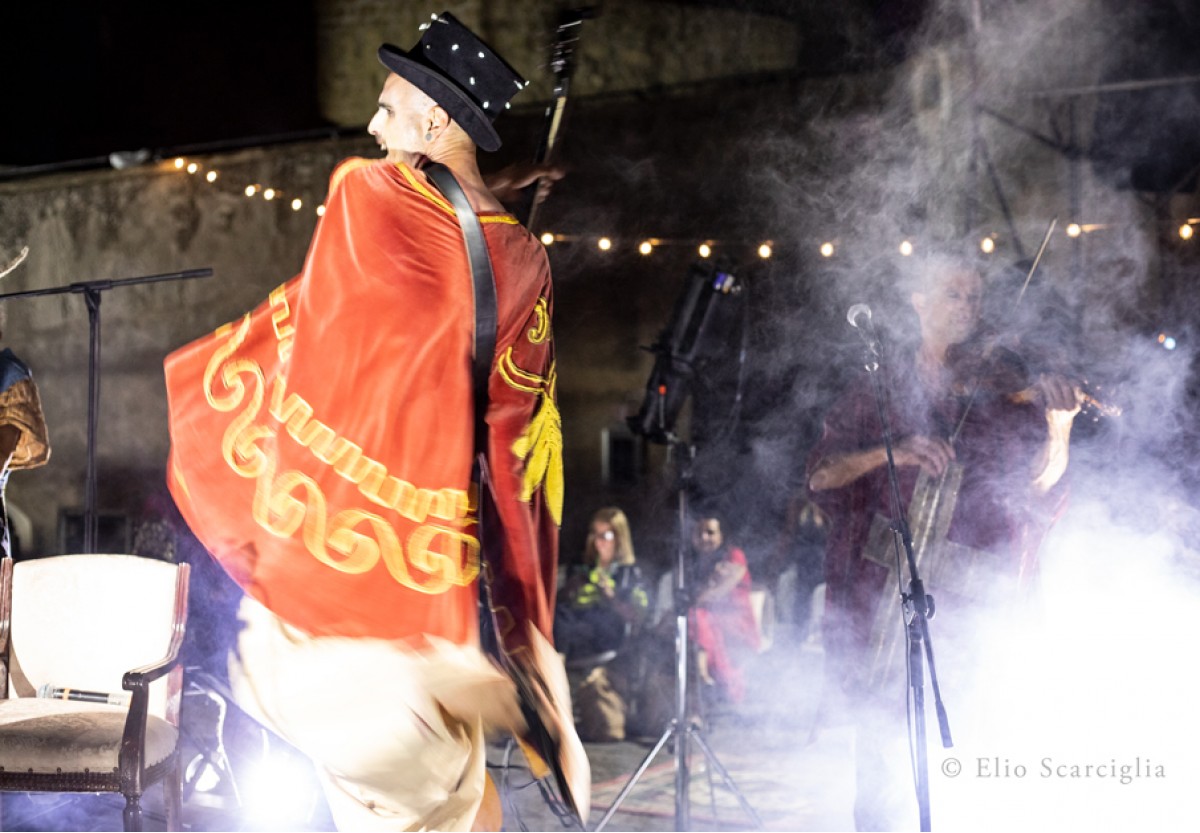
[
  {"x": 996, "y": 511},
  {"x": 322, "y": 445},
  {"x": 725, "y": 628}
]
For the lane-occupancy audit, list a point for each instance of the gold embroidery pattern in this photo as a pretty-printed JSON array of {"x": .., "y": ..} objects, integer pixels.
[
  {"x": 517, "y": 378},
  {"x": 541, "y": 329},
  {"x": 283, "y": 330},
  {"x": 435, "y": 557},
  {"x": 436, "y": 199},
  {"x": 346, "y": 167}
]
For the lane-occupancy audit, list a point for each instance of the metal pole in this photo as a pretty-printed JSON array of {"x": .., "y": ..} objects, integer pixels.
[{"x": 92, "y": 297}]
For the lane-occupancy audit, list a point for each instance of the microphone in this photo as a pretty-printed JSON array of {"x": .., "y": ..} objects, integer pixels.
[
  {"x": 859, "y": 315},
  {"x": 58, "y": 693}
]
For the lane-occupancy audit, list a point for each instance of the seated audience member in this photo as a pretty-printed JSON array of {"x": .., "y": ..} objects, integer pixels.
[
  {"x": 722, "y": 620},
  {"x": 605, "y": 596},
  {"x": 602, "y": 604}
]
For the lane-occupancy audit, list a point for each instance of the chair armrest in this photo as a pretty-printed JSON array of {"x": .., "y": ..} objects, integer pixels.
[
  {"x": 138, "y": 678},
  {"x": 141, "y": 677},
  {"x": 130, "y": 759}
]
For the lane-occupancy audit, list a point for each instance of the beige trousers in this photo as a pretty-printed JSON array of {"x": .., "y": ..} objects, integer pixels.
[{"x": 397, "y": 736}]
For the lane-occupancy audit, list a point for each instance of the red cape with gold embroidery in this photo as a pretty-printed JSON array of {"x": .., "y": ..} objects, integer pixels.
[{"x": 322, "y": 444}]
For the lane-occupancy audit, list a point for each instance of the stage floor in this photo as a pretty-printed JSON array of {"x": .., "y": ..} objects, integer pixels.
[{"x": 1134, "y": 725}]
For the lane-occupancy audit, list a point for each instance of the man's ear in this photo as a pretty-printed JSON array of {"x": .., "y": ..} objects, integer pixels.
[{"x": 438, "y": 118}]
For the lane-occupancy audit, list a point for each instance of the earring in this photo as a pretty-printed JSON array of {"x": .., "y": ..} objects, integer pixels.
[{"x": 428, "y": 137}]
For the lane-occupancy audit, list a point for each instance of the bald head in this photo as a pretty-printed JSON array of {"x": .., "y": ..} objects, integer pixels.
[{"x": 410, "y": 126}]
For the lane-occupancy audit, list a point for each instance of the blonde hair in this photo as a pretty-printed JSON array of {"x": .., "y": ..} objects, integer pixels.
[{"x": 615, "y": 518}]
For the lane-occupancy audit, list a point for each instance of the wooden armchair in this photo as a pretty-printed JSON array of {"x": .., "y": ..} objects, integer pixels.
[{"x": 92, "y": 623}]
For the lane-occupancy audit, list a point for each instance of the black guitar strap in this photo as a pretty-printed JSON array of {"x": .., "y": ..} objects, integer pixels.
[
  {"x": 486, "y": 319},
  {"x": 486, "y": 315}
]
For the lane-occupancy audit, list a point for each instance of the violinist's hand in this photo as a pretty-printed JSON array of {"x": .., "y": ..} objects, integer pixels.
[
  {"x": 507, "y": 183},
  {"x": 1057, "y": 393},
  {"x": 1062, "y": 399},
  {"x": 930, "y": 453}
]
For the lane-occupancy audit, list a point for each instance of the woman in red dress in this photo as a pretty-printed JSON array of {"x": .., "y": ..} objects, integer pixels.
[{"x": 722, "y": 619}]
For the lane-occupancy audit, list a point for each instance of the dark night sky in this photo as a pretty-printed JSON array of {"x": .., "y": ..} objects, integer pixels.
[{"x": 79, "y": 80}]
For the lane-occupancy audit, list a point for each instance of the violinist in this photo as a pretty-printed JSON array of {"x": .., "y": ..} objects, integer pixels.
[{"x": 948, "y": 406}]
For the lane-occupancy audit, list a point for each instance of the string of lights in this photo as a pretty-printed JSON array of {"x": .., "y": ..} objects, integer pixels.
[
  {"x": 827, "y": 248},
  {"x": 647, "y": 246},
  {"x": 252, "y": 190}
]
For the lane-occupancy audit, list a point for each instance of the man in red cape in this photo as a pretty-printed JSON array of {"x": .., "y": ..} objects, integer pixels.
[{"x": 322, "y": 450}]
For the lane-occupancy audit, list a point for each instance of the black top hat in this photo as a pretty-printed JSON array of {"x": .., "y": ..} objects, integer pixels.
[{"x": 461, "y": 73}]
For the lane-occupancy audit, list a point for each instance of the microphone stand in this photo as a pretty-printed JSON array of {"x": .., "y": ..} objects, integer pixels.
[
  {"x": 680, "y": 727},
  {"x": 90, "y": 290},
  {"x": 918, "y": 606}
]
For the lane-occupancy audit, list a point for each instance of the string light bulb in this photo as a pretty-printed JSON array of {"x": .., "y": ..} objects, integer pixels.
[
  {"x": 764, "y": 251},
  {"x": 826, "y": 249},
  {"x": 179, "y": 163},
  {"x": 250, "y": 190},
  {"x": 988, "y": 245},
  {"x": 297, "y": 204},
  {"x": 321, "y": 210},
  {"x": 211, "y": 176},
  {"x": 705, "y": 250},
  {"x": 604, "y": 244},
  {"x": 906, "y": 248},
  {"x": 1074, "y": 230},
  {"x": 192, "y": 167},
  {"x": 1186, "y": 231},
  {"x": 646, "y": 247},
  {"x": 269, "y": 194},
  {"x": 547, "y": 238}
]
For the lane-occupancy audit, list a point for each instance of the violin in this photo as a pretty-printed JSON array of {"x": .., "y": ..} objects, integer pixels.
[{"x": 985, "y": 366}]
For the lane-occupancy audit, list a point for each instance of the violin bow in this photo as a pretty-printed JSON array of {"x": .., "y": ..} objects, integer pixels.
[
  {"x": 562, "y": 64},
  {"x": 1011, "y": 311}
]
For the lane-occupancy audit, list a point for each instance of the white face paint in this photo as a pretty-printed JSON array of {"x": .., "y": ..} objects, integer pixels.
[{"x": 398, "y": 122}]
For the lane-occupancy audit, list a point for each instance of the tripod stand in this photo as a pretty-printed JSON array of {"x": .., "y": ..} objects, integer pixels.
[{"x": 680, "y": 727}]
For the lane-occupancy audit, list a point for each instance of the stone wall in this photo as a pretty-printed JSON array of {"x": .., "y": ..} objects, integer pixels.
[
  {"x": 630, "y": 46},
  {"x": 111, "y": 225}
]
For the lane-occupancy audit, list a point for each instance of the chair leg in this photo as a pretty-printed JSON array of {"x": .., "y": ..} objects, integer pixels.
[
  {"x": 133, "y": 813},
  {"x": 173, "y": 794}
]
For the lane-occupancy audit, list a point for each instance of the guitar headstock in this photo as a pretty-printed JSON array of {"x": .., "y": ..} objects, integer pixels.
[{"x": 566, "y": 36}]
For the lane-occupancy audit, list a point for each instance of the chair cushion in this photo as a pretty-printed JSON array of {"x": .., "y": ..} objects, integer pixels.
[{"x": 42, "y": 735}]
